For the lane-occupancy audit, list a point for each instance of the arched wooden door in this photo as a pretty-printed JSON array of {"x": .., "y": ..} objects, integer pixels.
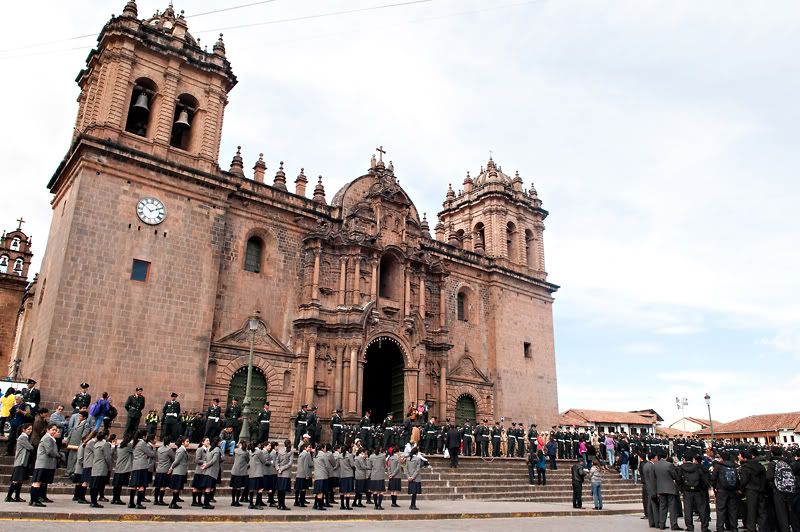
[
  {"x": 465, "y": 409},
  {"x": 258, "y": 388}
]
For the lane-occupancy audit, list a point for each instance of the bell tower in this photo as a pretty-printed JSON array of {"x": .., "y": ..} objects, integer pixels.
[
  {"x": 493, "y": 215},
  {"x": 149, "y": 85}
]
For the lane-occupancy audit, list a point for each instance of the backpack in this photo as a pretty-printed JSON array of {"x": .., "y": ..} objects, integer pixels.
[
  {"x": 728, "y": 479},
  {"x": 691, "y": 478},
  {"x": 94, "y": 410},
  {"x": 784, "y": 478}
]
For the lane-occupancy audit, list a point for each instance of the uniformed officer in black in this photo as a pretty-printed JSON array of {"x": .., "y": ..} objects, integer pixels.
[
  {"x": 520, "y": 441},
  {"x": 429, "y": 436},
  {"x": 467, "y": 437},
  {"x": 32, "y": 395},
  {"x": 134, "y": 406},
  {"x": 336, "y": 428},
  {"x": 365, "y": 430},
  {"x": 512, "y": 440},
  {"x": 170, "y": 419},
  {"x": 233, "y": 416},
  {"x": 482, "y": 433},
  {"x": 313, "y": 424},
  {"x": 300, "y": 422},
  {"x": 82, "y": 399},
  {"x": 213, "y": 423},
  {"x": 263, "y": 423},
  {"x": 388, "y": 431},
  {"x": 497, "y": 433},
  {"x": 532, "y": 435}
]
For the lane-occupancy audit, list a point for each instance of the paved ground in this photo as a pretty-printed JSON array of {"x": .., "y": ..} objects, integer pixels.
[{"x": 593, "y": 523}]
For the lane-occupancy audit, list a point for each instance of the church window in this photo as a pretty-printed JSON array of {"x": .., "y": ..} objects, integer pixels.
[
  {"x": 461, "y": 307},
  {"x": 140, "y": 271},
  {"x": 182, "y": 122},
  {"x": 18, "y": 266},
  {"x": 511, "y": 234},
  {"x": 480, "y": 238},
  {"x": 140, "y": 106},
  {"x": 15, "y": 243},
  {"x": 390, "y": 278},
  {"x": 252, "y": 255},
  {"x": 460, "y": 237},
  {"x": 526, "y": 349},
  {"x": 3, "y": 263}
]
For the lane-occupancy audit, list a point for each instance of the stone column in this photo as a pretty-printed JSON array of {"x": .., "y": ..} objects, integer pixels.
[
  {"x": 360, "y": 398},
  {"x": 410, "y": 386},
  {"x": 353, "y": 388},
  {"x": 337, "y": 381},
  {"x": 443, "y": 391},
  {"x": 169, "y": 91},
  {"x": 442, "y": 305},
  {"x": 342, "y": 279},
  {"x": 422, "y": 296},
  {"x": 345, "y": 398},
  {"x": 315, "y": 277},
  {"x": 310, "y": 369},
  {"x": 407, "y": 291},
  {"x": 356, "y": 285},
  {"x": 373, "y": 292}
]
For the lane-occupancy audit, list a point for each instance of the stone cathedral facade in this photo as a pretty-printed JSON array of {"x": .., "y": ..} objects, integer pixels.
[{"x": 158, "y": 262}]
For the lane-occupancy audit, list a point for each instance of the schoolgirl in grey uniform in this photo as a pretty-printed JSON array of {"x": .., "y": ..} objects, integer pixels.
[
  {"x": 333, "y": 473},
  {"x": 346, "y": 466},
  {"x": 283, "y": 465},
  {"x": 178, "y": 471},
  {"x": 377, "y": 476},
  {"x": 414, "y": 468},
  {"x": 362, "y": 464},
  {"x": 302, "y": 481},
  {"x": 270, "y": 471},
  {"x": 22, "y": 459},
  {"x": 143, "y": 453},
  {"x": 241, "y": 460},
  {"x": 122, "y": 469},
  {"x": 165, "y": 455},
  {"x": 255, "y": 482},
  {"x": 101, "y": 467},
  {"x": 321, "y": 475},
  {"x": 209, "y": 472},
  {"x": 77, "y": 475},
  {"x": 395, "y": 474},
  {"x": 88, "y": 461},
  {"x": 198, "y": 483}
]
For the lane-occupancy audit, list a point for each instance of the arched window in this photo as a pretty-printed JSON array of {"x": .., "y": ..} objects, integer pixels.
[
  {"x": 390, "y": 278},
  {"x": 287, "y": 380},
  {"x": 185, "y": 110},
  {"x": 15, "y": 243},
  {"x": 139, "y": 107},
  {"x": 460, "y": 237},
  {"x": 511, "y": 246},
  {"x": 3, "y": 263},
  {"x": 529, "y": 248},
  {"x": 252, "y": 254},
  {"x": 480, "y": 238},
  {"x": 462, "y": 310},
  {"x": 18, "y": 266}
]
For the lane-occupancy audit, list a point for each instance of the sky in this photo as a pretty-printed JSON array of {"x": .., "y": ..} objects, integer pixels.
[{"x": 661, "y": 136}]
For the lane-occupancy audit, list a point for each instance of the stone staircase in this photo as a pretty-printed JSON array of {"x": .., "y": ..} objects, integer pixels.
[{"x": 504, "y": 479}]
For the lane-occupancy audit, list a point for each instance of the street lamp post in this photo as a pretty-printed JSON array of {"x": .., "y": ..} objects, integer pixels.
[
  {"x": 252, "y": 325},
  {"x": 710, "y": 422}
]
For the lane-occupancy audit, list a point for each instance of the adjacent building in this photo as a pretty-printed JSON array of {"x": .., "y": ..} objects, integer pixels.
[
  {"x": 763, "y": 428},
  {"x": 603, "y": 421}
]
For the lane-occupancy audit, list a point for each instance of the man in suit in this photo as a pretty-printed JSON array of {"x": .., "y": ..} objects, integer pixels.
[
  {"x": 665, "y": 476},
  {"x": 650, "y": 492},
  {"x": 453, "y": 444}
]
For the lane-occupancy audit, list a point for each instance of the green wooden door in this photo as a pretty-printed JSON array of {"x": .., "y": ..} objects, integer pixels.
[
  {"x": 258, "y": 388},
  {"x": 465, "y": 409}
]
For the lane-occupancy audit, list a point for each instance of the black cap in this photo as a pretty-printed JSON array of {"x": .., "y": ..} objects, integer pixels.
[
  {"x": 303, "y": 406},
  {"x": 338, "y": 410},
  {"x": 216, "y": 399},
  {"x": 173, "y": 394},
  {"x": 139, "y": 389},
  {"x": 31, "y": 381},
  {"x": 84, "y": 385},
  {"x": 313, "y": 407},
  {"x": 485, "y": 420},
  {"x": 266, "y": 403}
]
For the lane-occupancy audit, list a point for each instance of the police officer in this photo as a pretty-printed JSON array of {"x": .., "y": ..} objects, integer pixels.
[
  {"x": 430, "y": 436},
  {"x": 312, "y": 425},
  {"x": 300, "y": 425},
  {"x": 32, "y": 395},
  {"x": 532, "y": 435},
  {"x": 512, "y": 440},
  {"x": 365, "y": 430},
  {"x": 483, "y": 437},
  {"x": 497, "y": 433},
  {"x": 467, "y": 437},
  {"x": 336, "y": 428},
  {"x": 82, "y": 399},
  {"x": 520, "y": 441},
  {"x": 263, "y": 423},
  {"x": 213, "y": 415},
  {"x": 134, "y": 406},
  {"x": 170, "y": 419},
  {"x": 388, "y": 430},
  {"x": 233, "y": 415}
]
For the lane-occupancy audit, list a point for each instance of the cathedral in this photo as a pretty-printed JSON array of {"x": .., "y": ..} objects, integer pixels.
[{"x": 165, "y": 271}]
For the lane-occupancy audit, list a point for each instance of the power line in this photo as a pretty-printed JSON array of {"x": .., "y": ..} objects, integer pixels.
[{"x": 251, "y": 4}]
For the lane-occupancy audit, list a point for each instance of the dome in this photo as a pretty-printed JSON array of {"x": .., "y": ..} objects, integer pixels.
[
  {"x": 370, "y": 185},
  {"x": 491, "y": 174},
  {"x": 166, "y": 21}
]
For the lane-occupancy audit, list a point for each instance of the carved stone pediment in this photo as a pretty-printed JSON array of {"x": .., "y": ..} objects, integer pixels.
[
  {"x": 263, "y": 340},
  {"x": 467, "y": 370}
]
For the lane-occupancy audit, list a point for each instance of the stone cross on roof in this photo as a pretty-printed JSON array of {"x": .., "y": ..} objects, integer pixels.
[
  {"x": 21, "y": 221},
  {"x": 382, "y": 152}
]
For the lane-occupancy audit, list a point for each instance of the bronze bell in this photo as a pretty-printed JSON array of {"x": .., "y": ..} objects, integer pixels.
[
  {"x": 183, "y": 119},
  {"x": 141, "y": 103}
]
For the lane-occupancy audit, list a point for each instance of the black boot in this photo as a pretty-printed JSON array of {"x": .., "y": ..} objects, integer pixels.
[
  {"x": 34, "y": 501},
  {"x": 296, "y": 498},
  {"x": 139, "y": 500},
  {"x": 271, "y": 498},
  {"x": 394, "y": 502},
  {"x": 341, "y": 502},
  {"x": 347, "y": 503},
  {"x": 174, "y": 504},
  {"x": 17, "y": 498},
  {"x": 303, "y": 501},
  {"x": 43, "y": 495},
  {"x": 380, "y": 502},
  {"x": 207, "y": 501},
  {"x": 196, "y": 495},
  {"x": 282, "y": 500},
  {"x": 131, "y": 503}
]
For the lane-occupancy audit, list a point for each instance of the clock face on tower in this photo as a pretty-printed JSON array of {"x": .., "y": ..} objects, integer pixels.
[{"x": 151, "y": 211}]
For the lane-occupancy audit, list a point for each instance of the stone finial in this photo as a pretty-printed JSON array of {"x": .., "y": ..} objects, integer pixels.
[
  {"x": 179, "y": 30},
  {"x": 516, "y": 182},
  {"x": 259, "y": 169},
  {"x": 130, "y": 9},
  {"x": 219, "y": 47},
  {"x": 237, "y": 164},
  {"x": 373, "y": 162},
  {"x": 439, "y": 230},
  {"x": 450, "y": 193},
  {"x": 426, "y": 230},
  {"x": 468, "y": 184},
  {"x": 532, "y": 192},
  {"x": 280, "y": 178},
  {"x": 300, "y": 184},
  {"x": 452, "y": 237},
  {"x": 319, "y": 191},
  {"x": 390, "y": 168}
]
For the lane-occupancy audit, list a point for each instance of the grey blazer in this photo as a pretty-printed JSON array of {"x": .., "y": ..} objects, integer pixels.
[
  {"x": 180, "y": 463},
  {"x": 333, "y": 464},
  {"x": 284, "y": 463},
  {"x": 24, "y": 450},
  {"x": 76, "y": 435},
  {"x": 199, "y": 459},
  {"x": 241, "y": 459},
  {"x": 213, "y": 463},
  {"x": 649, "y": 478},
  {"x": 414, "y": 465},
  {"x": 346, "y": 465},
  {"x": 269, "y": 466},
  {"x": 103, "y": 460},
  {"x": 257, "y": 461},
  {"x": 47, "y": 453},
  {"x": 377, "y": 467},
  {"x": 165, "y": 455},
  {"x": 304, "y": 465},
  {"x": 321, "y": 466},
  {"x": 394, "y": 466},
  {"x": 124, "y": 459},
  {"x": 142, "y": 453},
  {"x": 88, "y": 453},
  {"x": 666, "y": 474},
  {"x": 362, "y": 467}
]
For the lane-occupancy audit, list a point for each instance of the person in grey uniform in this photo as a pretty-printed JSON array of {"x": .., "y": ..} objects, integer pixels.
[
  {"x": 283, "y": 465},
  {"x": 238, "y": 482},
  {"x": 210, "y": 471},
  {"x": 305, "y": 468},
  {"x": 178, "y": 471},
  {"x": 165, "y": 455},
  {"x": 88, "y": 461},
  {"x": 377, "y": 477},
  {"x": 198, "y": 482},
  {"x": 22, "y": 459},
  {"x": 333, "y": 474},
  {"x": 255, "y": 473},
  {"x": 414, "y": 468},
  {"x": 346, "y": 477},
  {"x": 122, "y": 470},
  {"x": 270, "y": 471},
  {"x": 321, "y": 475},
  {"x": 362, "y": 466},
  {"x": 75, "y": 438},
  {"x": 142, "y": 453},
  {"x": 395, "y": 476},
  {"x": 79, "y": 495},
  {"x": 102, "y": 464},
  {"x": 45, "y": 467}
]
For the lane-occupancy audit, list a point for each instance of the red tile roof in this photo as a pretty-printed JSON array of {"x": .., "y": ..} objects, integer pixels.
[
  {"x": 581, "y": 417},
  {"x": 758, "y": 423}
]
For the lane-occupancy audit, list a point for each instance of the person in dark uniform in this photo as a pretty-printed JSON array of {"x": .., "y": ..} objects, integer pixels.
[
  {"x": 336, "y": 428},
  {"x": 312, "y": 425},
  {"x": 263, "y": 420},
  {"x": 198, "y": 428},
  {"x": 467, "y": 437},
  {"x": 366, "y": 430},
  {"x": 170, "y": 418},
  {"x": 388, "y": 431},
  {"x": 406, "y": 435},
  {"x": 233, "y": 416},
  {"x": 134, "y": 406},
  {"x": 213, "y": 423},
  {"x": 82, "y": 399},
  {"x": 512, "y": 440},
  {"x": 32, "y": 395},
  {"x": 532, "y": 435},
  {"x": 429, "y": 436},
  {"x": 497, "y": 433},
  {"x": 483, "y": 438},
  {"x": 300, "y": 422}
]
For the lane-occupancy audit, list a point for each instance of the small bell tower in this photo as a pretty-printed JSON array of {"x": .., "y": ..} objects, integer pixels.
[{"x": 151, "y": 86}]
